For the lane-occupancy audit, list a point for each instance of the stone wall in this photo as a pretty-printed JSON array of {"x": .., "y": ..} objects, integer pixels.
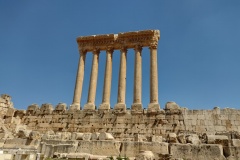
[{"x": 171, "y": 133}]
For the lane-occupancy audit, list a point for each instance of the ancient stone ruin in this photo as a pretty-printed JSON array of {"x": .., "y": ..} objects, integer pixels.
[{"x": 121, "y": 132}]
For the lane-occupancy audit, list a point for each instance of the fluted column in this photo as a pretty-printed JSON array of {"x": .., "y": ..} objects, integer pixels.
[
  {"x": 122, "y": 81},
  {"x": 107, "y": 80},
  {"x": 93, "y": 81},
  {"x": 153, "y": 105},
  {"x": 79, "y": 82},
  {"x": 137, "y": 91}
]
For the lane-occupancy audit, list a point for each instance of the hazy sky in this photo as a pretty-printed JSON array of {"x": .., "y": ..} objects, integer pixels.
[{"x": 198, "y": 53}]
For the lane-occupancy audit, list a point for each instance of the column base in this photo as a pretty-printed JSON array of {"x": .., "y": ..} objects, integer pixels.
[
  {"x": 136, "y": 108},
  {"x": 153, "y": 108},
  {"x": 89, "y": 106},
  {"x": 74, "y": 107},
  {"x": 104, "y": 106},
  {"x": 120, "y": 108}
]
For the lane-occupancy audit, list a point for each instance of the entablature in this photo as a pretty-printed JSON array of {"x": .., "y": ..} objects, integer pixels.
[{"x": 145, "y": 38}]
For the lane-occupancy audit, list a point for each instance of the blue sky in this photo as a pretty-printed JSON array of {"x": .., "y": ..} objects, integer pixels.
[{"x": 198, "y": 53}]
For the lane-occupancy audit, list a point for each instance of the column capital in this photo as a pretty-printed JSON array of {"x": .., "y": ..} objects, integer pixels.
[
  {"x": 96, "y": 51},
  {"x": 153, "y": 45},
  {"x": 123, "y": 49},
  {"x": 109, "y": 49},
  {"x": 82, "y": 51},
  {"x": 138, "y": 48}
]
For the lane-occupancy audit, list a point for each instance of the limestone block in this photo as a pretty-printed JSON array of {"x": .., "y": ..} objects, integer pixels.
[
  {"x": 201, "y": 117},
  {"x": 181, "y": 138},
  {"x": 84, "y": 147},
  {"x": 236, "y": 122},
  {"x": 194, "y": 122},
  {"x": 2, "y": 135},
  {"x": 66, "y": 135},
  {"x": 66, "y": 148},
  {"x": 105, "y": 136},
  {"x": 54, "y": 137},
  {"x": 132, "y": 149},
  {"x": 223, "y": 117},
  {"x": 172, "y": 106},
  {"x": 145, "y": 155},
  {"x": 44, "y": 125},
  {"x": 199, "y": 152},
  {"x": 59, "y": 125},
  {"x": 6, "y": 156},
  {"x": 193, "y": 138},
  {"x": 209, "y": 122},
  {"x": 49, "y": 135},
  {"x": 77, "y": 136},
  {"x": 46, "y": 108},
  {"x": 34, "y": 135},
  {"x": 236, "y": 142},
  {"x": 156, "y": 147},
  {"x": 106, "y": 148},
  {"x": 32, "y": 109},
  {"x": 10, "y": 112},
  {"x": 217, "y": 139},
  {"x": 220, "y": 128},
  {"x": 8, "y": 120},
  {"x": 172, "y": 138},
  {"x": 86, "y": 136},
  {"x": 48, "y": 150},
  {"x": 14, "y": 143},
  {"x": 61, "y": 107},
  {"x": 231, "y": 152},
  {"x": 156, "y": 138},
  {"x": 216, "y": 110},
  {"x": 232, "y": 117},
  {"x": 23, "y": 133},
  {"x": 139, "y": 138},
  {"x": 95, "y": 136},
  {"x": 180, "y": 151},
  {"x": 19, "y": 114}
]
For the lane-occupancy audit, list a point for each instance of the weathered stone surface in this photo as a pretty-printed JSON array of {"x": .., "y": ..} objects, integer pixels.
[
  {"x": 77, "y": 136},
  {"x": 193, "y": 138},
  {"x": 172, "y": 138},
  {"x": 86, "y": 136},
  {"x": 95, "y": 136},
  {"x": 105, "y": 136},
  {"x": 181, "y": 138},
  {"x": 132, "y": 149},
  {"x": 218, "y": 139},
  {"x": 236, "y": 142},
  {"x": 200, "y": 152},
  {"x": 171, "y": 106},
  {"x": 145, "y": 155}
]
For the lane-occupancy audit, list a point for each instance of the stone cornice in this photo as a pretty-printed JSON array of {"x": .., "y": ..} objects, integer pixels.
[{"x": 143, "y": 38}]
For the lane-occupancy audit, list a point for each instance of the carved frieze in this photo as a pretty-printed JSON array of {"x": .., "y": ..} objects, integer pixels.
[{"x": 144, "y": 38}]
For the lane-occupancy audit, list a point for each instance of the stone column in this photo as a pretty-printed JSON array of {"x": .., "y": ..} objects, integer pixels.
[
  {"x": 79, "y": 82},
  {"x": 153, "y": 105},
  {"x": 122, "y": 81},
  {"x": 93, "y": 82},
  {"x": 107, "y": 81},
  {"x": 137, "y": 91}
]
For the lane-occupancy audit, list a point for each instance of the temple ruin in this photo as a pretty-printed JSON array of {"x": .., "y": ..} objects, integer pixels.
[
  {"x": 125, "y": 132},
  {"x": 122, "y": 42}
]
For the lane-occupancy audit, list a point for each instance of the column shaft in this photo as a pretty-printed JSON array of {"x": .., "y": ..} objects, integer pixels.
[
  {"x": 122, "y": 81},
  {"x": 137, "y": 91},
  {"x": 93, "y": 82},
  {"x": 153, "y": 75},
  {"x": 107, "y": 80},
  {"x": 79, "y": 82},
  {"x": 153, "y": 105}
]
